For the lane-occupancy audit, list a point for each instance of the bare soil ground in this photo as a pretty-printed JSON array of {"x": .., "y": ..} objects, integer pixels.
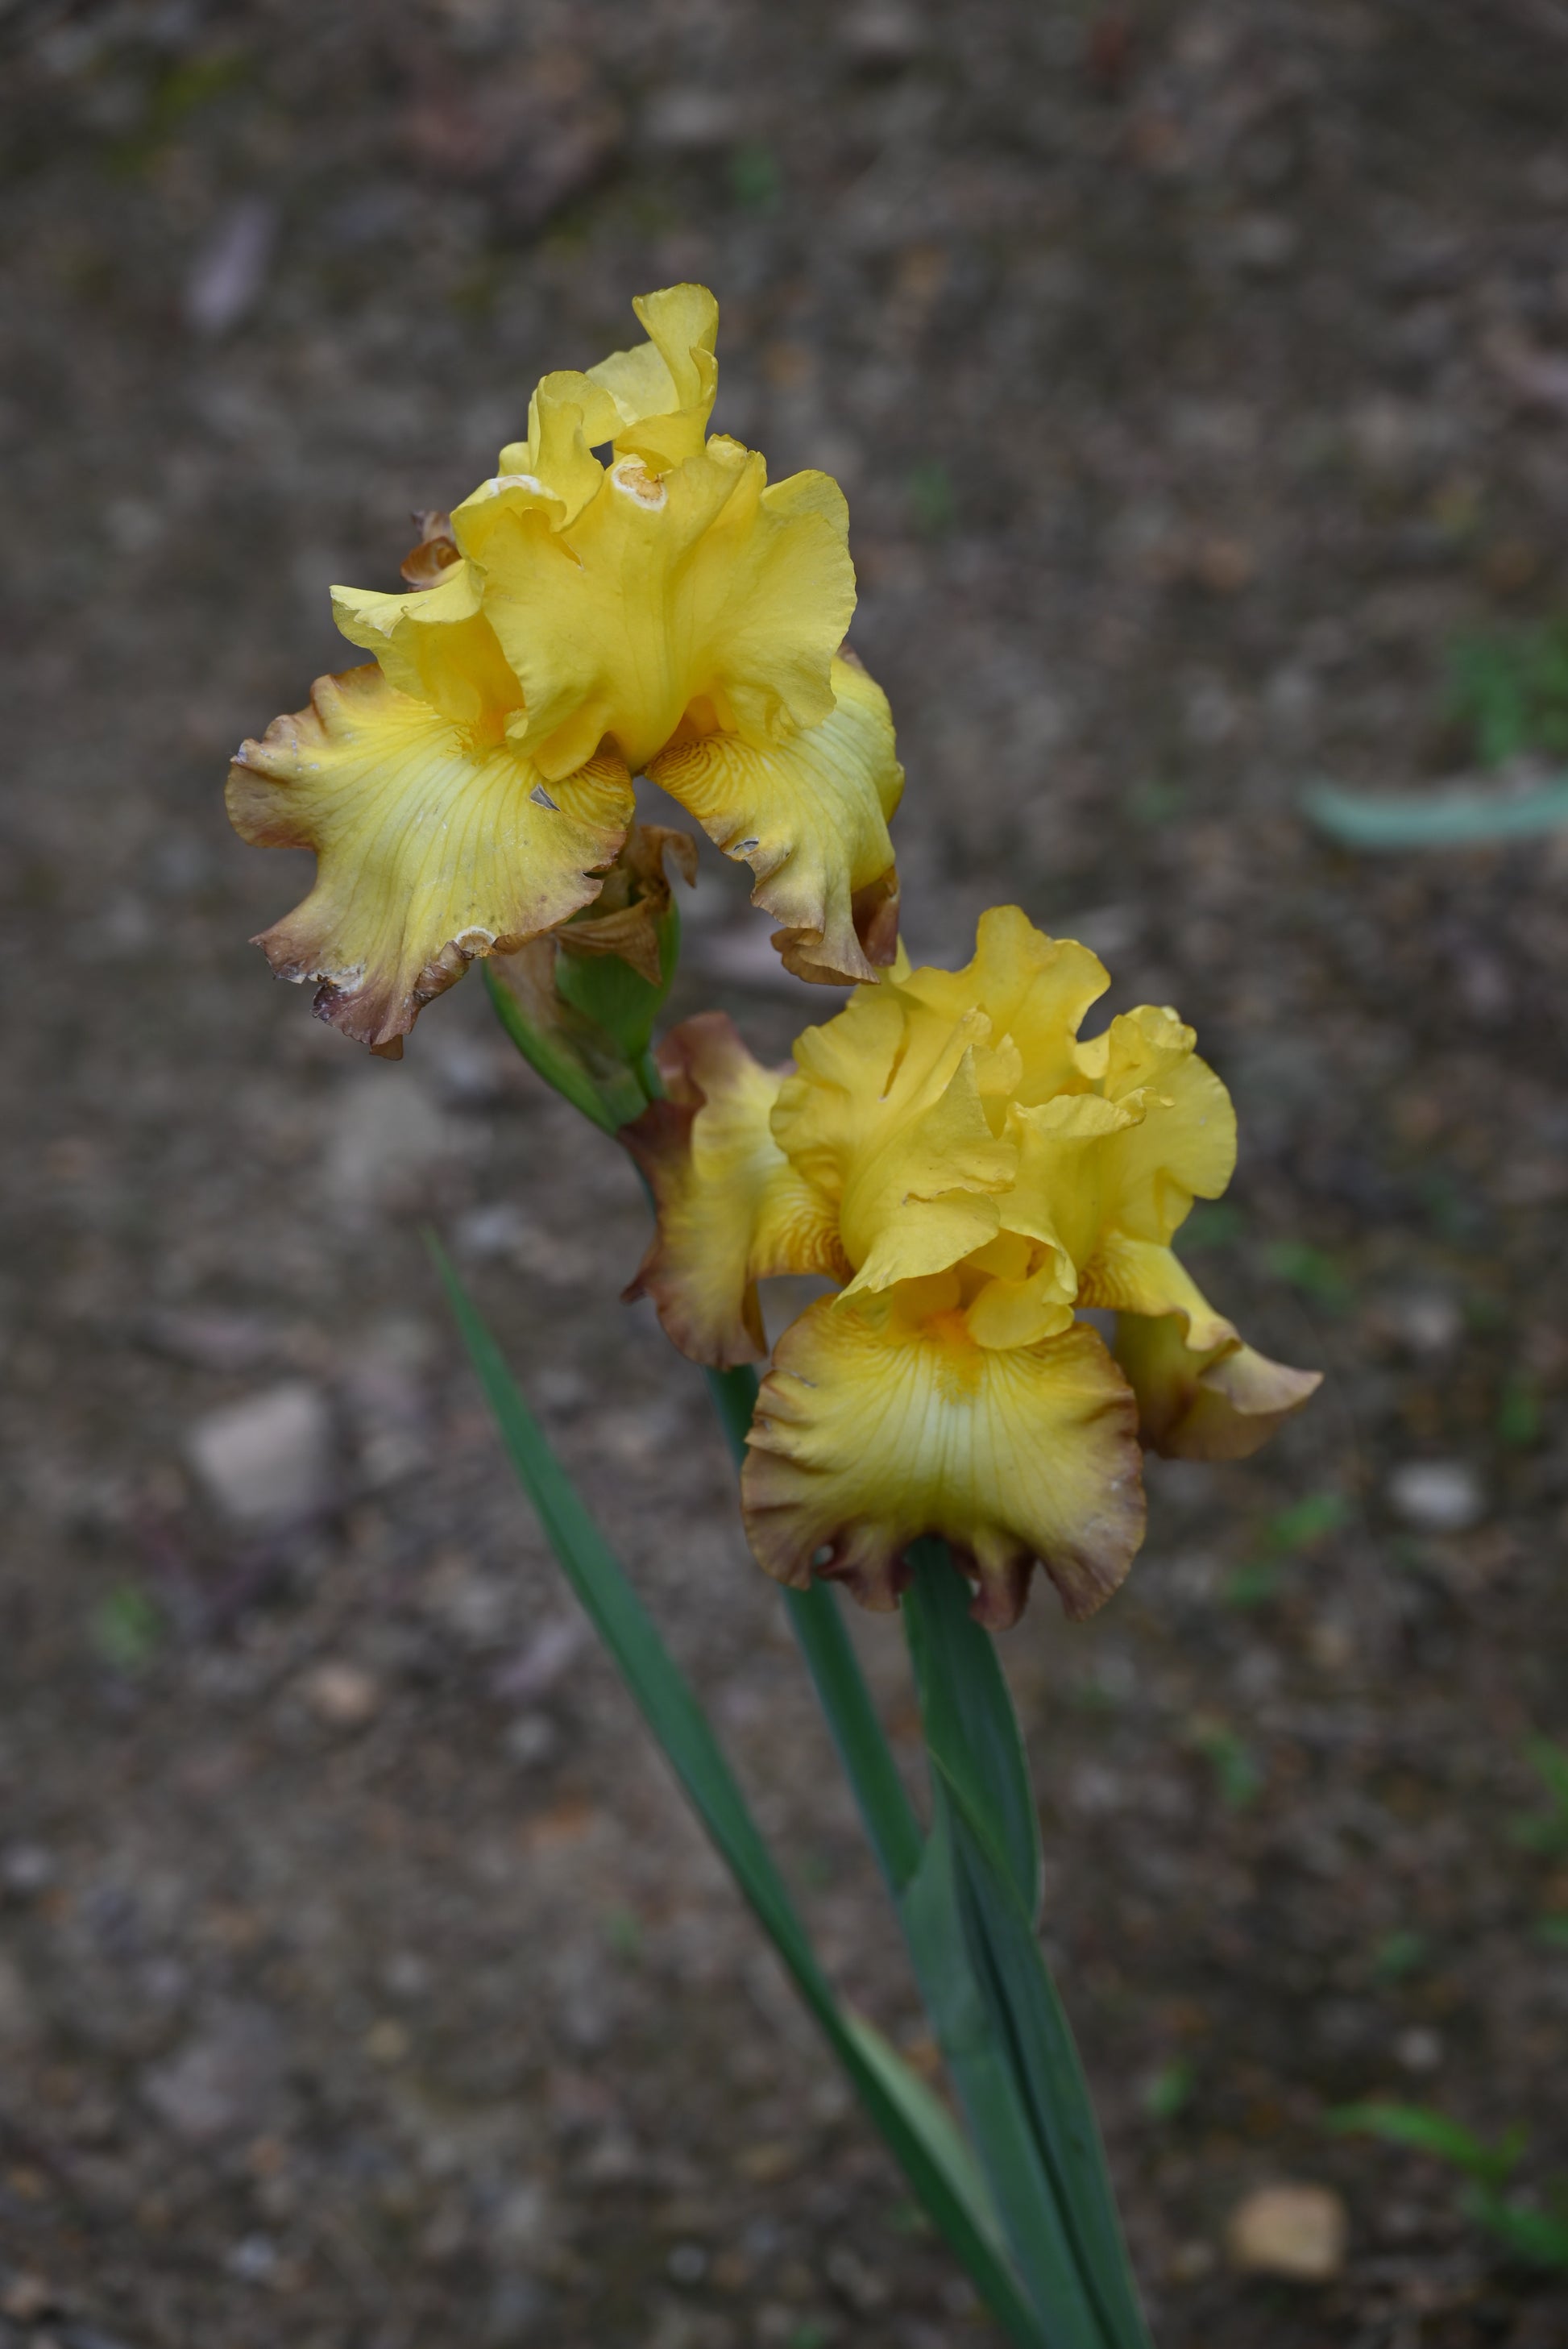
[{"x": 1196, "y": 374}]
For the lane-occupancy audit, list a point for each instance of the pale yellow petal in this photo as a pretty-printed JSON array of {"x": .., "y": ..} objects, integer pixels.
[
  {"x": 429, "y": 850},
  {"x": 1220, "y": 1404},
  {"x": 809, "y": 815},
  {"x": 731, "y": 1209},
  {"x": 871, "y": 1431}
]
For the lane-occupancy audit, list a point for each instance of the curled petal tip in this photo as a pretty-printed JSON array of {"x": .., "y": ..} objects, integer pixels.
[{"x": 1222, "y": 1403}]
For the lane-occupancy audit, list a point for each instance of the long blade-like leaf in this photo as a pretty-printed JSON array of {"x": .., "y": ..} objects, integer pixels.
[
  {"x": 957, "y": 1678},
  {"x": 1455, "y": 819},
  {"x": 981, "y": 1734},
  {"x": 993, "y": 2096},
  {"x": 949, "y": 2191}
]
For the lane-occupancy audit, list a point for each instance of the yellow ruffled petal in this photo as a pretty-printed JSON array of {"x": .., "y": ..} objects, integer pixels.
[
  {"x": 887, "y": 1115},
  {"x": 809, "y": 815},
  {"x": 663, "y": 390},
  {"x": 697, "y": 585},
  {"x": 1183, "y": 1146},
  {"x": 873, "y": 1430},
  {"x": 731, "y": 1209},
  {"x": 430, "y": 849},
  {"x": 1223, "y": 1403},
  {"x": 436, "y": 645},
  {"x": 1032, "y": 987}
]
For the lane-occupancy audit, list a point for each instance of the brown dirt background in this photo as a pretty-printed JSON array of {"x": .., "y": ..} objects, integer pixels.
[{"x": 1194, "y": 373}]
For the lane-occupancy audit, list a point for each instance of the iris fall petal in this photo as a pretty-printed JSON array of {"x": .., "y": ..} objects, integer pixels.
[
  {"x": 430, "y": 849},
  {"x": 874, "y": 1429}
]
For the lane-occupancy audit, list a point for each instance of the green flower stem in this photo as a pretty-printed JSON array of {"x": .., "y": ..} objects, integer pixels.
[
  {"x": 818, "y": 1626},
  {"x": 980, "y": 1789}
]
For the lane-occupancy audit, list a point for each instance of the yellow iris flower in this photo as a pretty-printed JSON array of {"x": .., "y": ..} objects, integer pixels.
[
  {"x": 579, "y": 623},
  {"x": 971, "y": 1176}
]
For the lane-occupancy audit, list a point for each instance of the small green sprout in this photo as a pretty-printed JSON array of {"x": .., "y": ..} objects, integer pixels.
[
  {"x": 1237, "y": 1771},
  {"x": 1400, "y": 1954},
  {"x": 127, "y": 1628},
  {"x": 756, "y": 181},
  {"x": 930, "y": 497},
  {"x": 623, "y": 1932},
  {"x": 1519, "y": 1413},
  {"x": 1546, "y": 1831},
  {"x": 1511, "y": 690},
  {"x": 1291, "y": 1530},
  {"x": 1310, "y": 1270},
  {"x": 1538, "y": 2238},
  {"x": 1169, "y": 2092}
]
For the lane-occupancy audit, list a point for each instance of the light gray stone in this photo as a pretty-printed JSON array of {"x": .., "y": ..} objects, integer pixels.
[{"x": 267, "y": 1461}]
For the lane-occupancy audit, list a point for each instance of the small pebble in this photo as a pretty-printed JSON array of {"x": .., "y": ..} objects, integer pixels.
[
  {"x": 1427, "y": 1321},
  {"x": 266, "y": 1462},
  {"x": 1293, "y": 2230},
  {"x": 881, "y": 34},
  {"x": 1418, "y": 2050},
  {"x": 1437, "y": 1497},
  {"x": 343, "y": 1696},
  {"x": 688, "y": 2264},
  {"x": 686, "y": 120},
  {"x": 27, "y": 1868},
  {"x": 27, "y": 2296}
]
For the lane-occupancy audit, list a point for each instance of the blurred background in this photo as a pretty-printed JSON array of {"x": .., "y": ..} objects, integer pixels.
[{"x": 1199, "y": 379}]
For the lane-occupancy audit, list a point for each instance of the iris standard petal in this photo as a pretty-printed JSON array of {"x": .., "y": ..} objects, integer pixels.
[
  {"x": 1183, "y": 1146},
  {"x": 695, "y": 586},
  {"x": 731, "y": 1209},
  {"x": 1032, "y": 987},
  {"x": 888, "y": 1115},
  {"x": 809, "y": 814},
  {"x": 430, "y": 849},
  {"x": 874, "y": 1428}
]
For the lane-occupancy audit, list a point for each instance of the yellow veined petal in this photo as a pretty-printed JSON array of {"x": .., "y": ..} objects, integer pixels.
[
  {"x": 1223, "y": 1403},
  {"x": 886, "y": 1114},
  {"x": 1032, "y": 987},
  {"x": 873, "y": 1430},
  {"x": 698, "y": 585},
  {"x": 809, "y": 815},
  {"x": 436, "y": 645},
  {"x": 430, "y": 850},
  {"x": 731, "y": 1209}
]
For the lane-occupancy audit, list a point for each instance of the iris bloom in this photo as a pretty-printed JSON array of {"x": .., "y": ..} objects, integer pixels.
[
  {"x": 576, "y": 623},
  {"x": 971, "y": 1177}
]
